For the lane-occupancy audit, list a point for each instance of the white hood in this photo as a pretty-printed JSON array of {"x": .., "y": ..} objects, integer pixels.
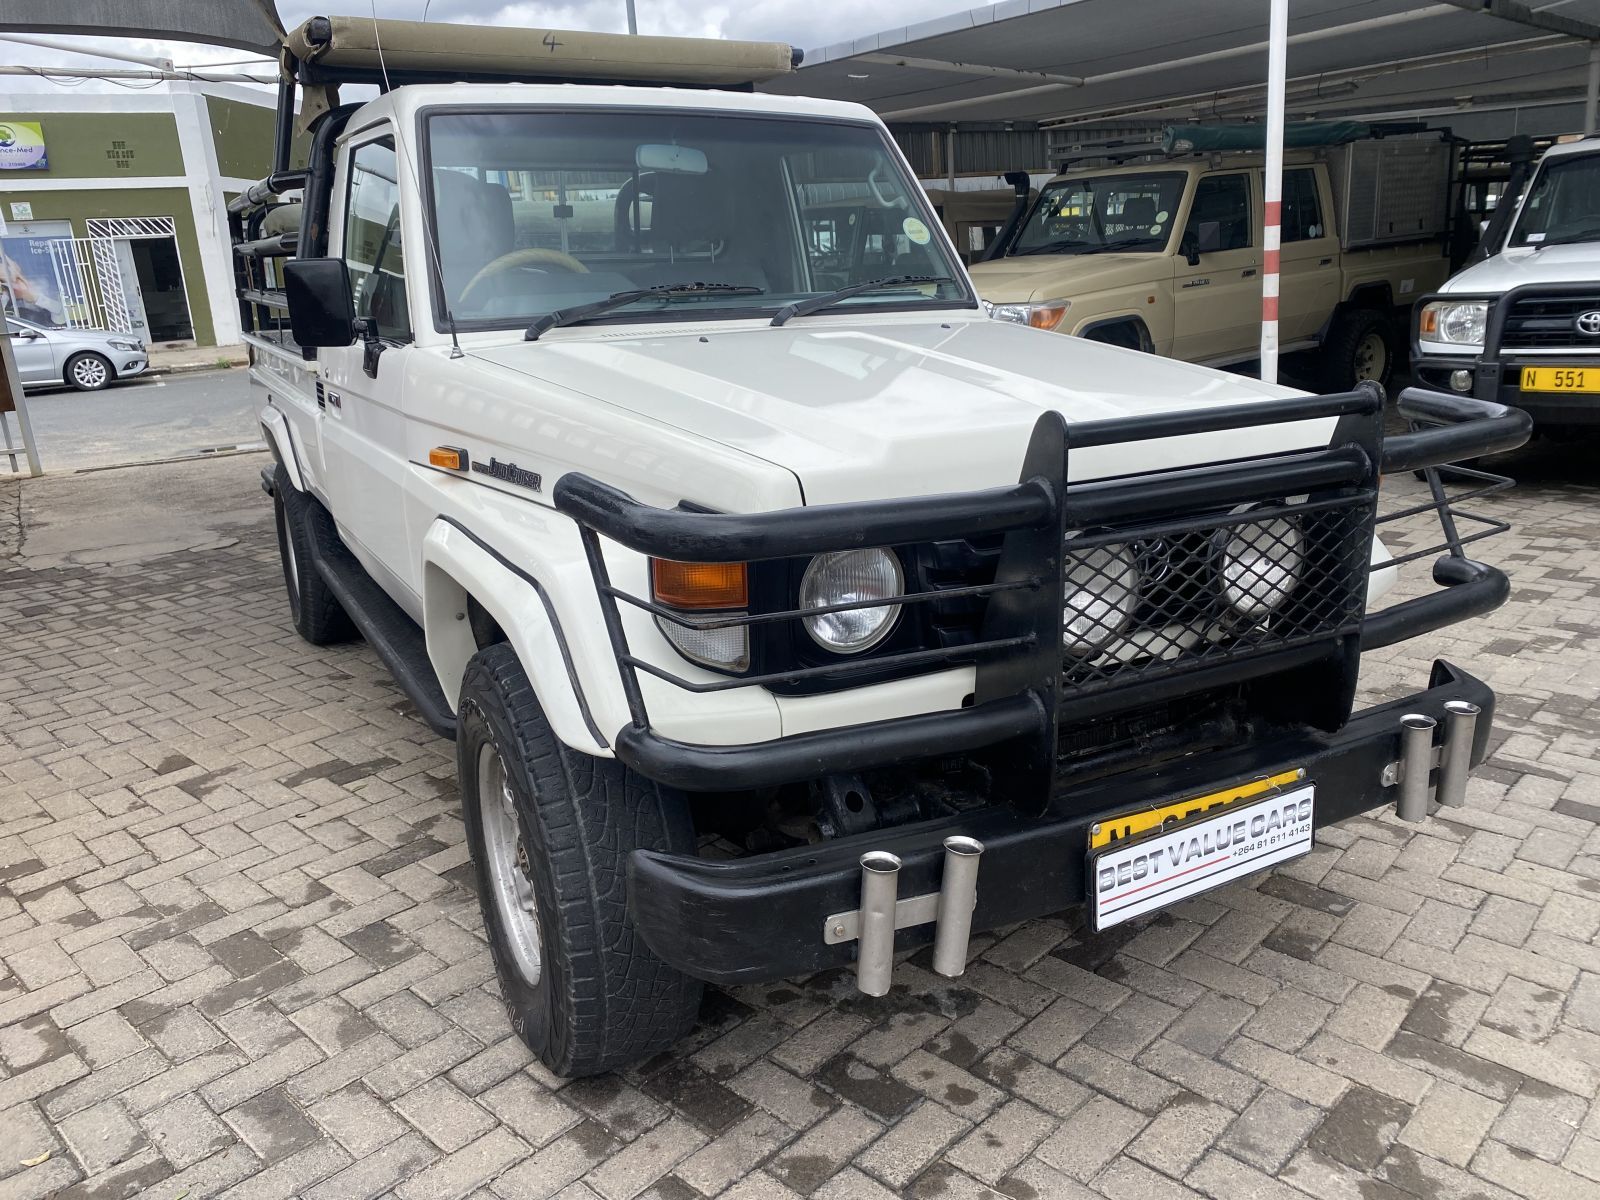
[
  {"x": 881, "y": 407},
  {"x": 1578, "y": 262}
]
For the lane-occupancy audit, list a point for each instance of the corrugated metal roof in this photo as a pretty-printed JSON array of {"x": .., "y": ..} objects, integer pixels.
[{"x": 1099, "y": 61}]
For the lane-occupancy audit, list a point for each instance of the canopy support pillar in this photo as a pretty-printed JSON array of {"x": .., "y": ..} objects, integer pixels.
[
  {"x": 1591, "y": 102},
  {"x": 1277, "y": 67}
]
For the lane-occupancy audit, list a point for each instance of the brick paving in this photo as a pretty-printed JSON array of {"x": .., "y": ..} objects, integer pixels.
[{"x": 239, "y": 953}]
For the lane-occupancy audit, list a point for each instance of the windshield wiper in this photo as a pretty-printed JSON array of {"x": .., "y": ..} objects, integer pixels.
[
  {"x": 1120, "y": 244},
  {"x": 1049, "y": 247},
  {"x": 802, "y": 308},
  {"x": 584, "y": 312}
]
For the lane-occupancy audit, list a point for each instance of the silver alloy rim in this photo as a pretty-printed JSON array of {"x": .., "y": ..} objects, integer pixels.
[
  {"x": 90, "y": 372},
  {"x": 506, "y": 856},
  {"x": 1371, "y": 357}
]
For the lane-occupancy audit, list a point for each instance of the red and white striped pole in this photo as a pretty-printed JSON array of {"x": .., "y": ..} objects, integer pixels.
[{"x": 1277, "y": 65}]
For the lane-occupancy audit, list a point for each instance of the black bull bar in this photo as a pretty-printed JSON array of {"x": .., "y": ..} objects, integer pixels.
[{"x": 1021, "y": 695}]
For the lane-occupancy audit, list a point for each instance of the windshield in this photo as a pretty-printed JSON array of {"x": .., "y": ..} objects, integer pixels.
[
  {"x": 1563, "y": 203},
  {"x": 1100, "y": 212},
  {"x": 536, "y": 212}
]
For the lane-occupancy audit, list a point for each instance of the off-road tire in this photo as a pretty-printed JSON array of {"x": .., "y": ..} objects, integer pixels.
[
  {"x": 603, "y": 999},
  {"x": 315, "y": 610},
  {"x": 84, "y": 364},
  {"x": 1347, "y": 342}
]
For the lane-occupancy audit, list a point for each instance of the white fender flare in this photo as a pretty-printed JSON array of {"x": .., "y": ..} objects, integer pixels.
[
  {"x": 456, "y": 566},
  {"x": 276, "y": 430}
]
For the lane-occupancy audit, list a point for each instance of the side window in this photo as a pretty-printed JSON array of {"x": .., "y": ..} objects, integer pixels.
[
  {"x": 1219, "y": 218},
  {"x": 372, "y": 249},
  {"x": 1302, "y": 207}
]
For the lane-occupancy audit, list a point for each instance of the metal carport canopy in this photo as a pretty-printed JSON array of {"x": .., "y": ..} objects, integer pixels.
[{"x": 1104, "y": 61}]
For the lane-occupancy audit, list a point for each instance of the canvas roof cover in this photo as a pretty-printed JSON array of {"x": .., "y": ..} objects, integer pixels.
[
  {"x": 1101, "y": 61},
  {"x": 346, "y": 48},
  {"x": 357, "y": 47}
]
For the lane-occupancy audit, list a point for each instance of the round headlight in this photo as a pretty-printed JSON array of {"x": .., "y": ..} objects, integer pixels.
[
  {"x": 848, "y": 577},
  {"x": 1464, "y": 323},
  {"x": 1262, "y": 565},
  {"x": 1102, "y": 590}
]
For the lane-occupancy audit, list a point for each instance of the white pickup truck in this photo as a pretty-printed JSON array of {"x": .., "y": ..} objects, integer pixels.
[
  {"x": 786, "y": 611},
  {"x": 1522, "y": 327}
]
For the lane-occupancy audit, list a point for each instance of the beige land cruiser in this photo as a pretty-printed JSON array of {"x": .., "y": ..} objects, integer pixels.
[{"x": 1165, "y": 253}]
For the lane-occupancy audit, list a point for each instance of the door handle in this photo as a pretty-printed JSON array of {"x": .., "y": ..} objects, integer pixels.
[
  {"x": 1326, "y": 262},
  {"x": 1247, "y": 273}
]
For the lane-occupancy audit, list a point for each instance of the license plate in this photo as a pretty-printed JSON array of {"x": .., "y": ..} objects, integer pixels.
[
  {"x": 1127, "y": 825},
  {"x": 1131, "y": 878},
  {"x": 1561, "y": 379}
]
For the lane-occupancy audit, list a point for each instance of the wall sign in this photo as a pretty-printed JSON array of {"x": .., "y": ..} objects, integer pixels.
[
  {"x": 22, "y": 146},
  {"x": 22, "y": 210}
]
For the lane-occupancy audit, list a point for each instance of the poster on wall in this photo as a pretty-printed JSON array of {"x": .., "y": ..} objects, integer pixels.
[
  {"x": 29, "y": 282},
  {"x": 22, "y": 146}
]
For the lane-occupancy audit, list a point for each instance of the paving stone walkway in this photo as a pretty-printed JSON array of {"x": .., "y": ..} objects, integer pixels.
[{"x": 240, "y": 955}]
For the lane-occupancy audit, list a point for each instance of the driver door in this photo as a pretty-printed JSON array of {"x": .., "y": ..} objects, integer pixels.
[
  {"x": 363, "y": 435},
  {"x": 1217, "y": 303},
  {"x": 35, "y": 359}
]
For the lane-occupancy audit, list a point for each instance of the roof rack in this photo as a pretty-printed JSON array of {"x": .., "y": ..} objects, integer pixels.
[{"x": 324, "y": 52}]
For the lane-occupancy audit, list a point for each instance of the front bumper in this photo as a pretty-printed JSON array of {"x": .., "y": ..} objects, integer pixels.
[
  {"x": 1020, "y": 699},
  {"x": 1497, "y": 369},
  {"x": 758, "y": 919},
  {"x": 1500, "y": 380},
  {"x": 132, "y": 364}
]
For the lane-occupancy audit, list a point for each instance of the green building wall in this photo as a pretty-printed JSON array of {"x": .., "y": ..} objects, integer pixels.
[
  {"x": 105, "y": 145},
  {"x": 243, "y": 136}
]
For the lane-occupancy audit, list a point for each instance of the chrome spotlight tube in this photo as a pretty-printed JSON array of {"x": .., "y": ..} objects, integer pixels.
[
  {"x": 958, "y": 892},
  {"x": 1416, "y": 764},
  {"x": 1460, "y": 724},
  {"x": 880, "y": 885}
]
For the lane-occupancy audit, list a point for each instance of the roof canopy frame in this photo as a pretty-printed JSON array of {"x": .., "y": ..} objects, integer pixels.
[{"x": 1063, "y": 61}]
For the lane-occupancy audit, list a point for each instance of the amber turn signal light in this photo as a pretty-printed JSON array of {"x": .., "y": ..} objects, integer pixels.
[
  {"x": 1046, "y": 316},
  {"x": 1430, "y": 321},
  {"x": 699, "y": 584},
  {"x": 448, "y": 457}
]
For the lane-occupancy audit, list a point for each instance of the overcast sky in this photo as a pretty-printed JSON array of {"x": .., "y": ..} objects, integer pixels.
[{"x": 804, "y": 23}]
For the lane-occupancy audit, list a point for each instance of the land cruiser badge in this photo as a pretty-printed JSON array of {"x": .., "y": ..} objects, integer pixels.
[{"x": 510, "y": 473}]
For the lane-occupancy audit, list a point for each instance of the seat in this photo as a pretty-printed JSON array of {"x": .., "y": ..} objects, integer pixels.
[
  {"x": 689, "y": 220},
  {"x": 474, "y": 227},
  {"x": 1138, "y": 212}
]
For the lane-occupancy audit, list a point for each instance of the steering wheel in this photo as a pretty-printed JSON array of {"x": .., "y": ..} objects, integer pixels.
[{"x": 528, "y": 256}]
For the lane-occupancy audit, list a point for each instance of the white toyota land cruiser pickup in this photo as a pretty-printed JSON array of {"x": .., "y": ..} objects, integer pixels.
[
  {"x": 789, "y": 616},
  {"x": 1522, "y": 327}
]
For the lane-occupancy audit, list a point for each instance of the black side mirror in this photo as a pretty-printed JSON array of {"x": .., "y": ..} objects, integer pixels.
[
  {"x": 1189, "y": 247},
  {"x": 322, "y": 310}
]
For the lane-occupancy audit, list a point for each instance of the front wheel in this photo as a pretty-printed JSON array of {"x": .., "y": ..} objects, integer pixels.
[
  {"x": 550, "y": 831},
  {"x": 89, "y": 372},
  {"x": 1359, "y": 349},
  {"x": 315, "y": 610}
]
